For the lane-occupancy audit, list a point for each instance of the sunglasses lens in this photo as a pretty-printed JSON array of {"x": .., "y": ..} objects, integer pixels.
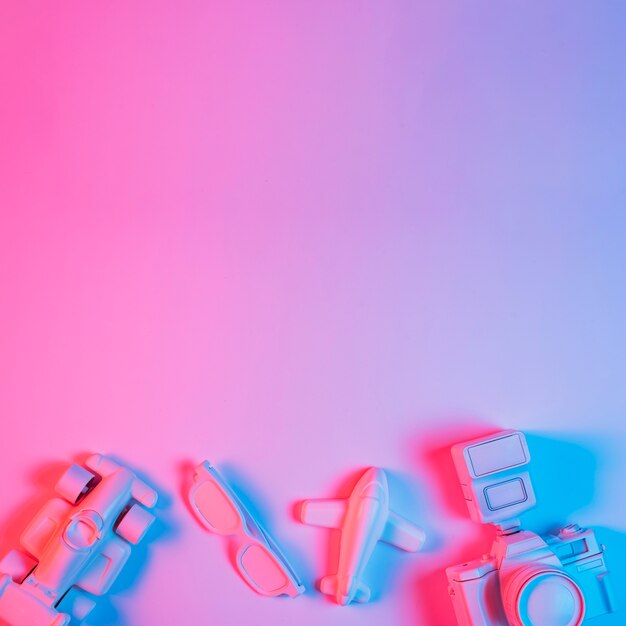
[
  {"x": 216, "y": 509},
  {"x": 262, "y": 569}
]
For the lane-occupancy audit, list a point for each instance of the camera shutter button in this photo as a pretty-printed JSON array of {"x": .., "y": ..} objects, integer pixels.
[{"x": 569, "y": 531}]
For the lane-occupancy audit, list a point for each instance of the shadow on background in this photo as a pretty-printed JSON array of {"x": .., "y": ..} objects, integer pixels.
[
  {"x": 567, "y": 475},
  {"x": 407, "y": 499},
  {"x": 44, "y": 478},
  {"x": 564, "y": 474},
  {"x": 252, "y": 496},
  {"x": 432, "y": 453},
  {"x": 141, "y": 556}
]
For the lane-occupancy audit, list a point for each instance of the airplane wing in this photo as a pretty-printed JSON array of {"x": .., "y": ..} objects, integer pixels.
[
  {"x": 326, "y": 513},
  {"x": 403, "y": 534}
]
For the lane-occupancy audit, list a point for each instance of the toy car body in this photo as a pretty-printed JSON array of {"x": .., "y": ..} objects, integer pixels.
[{"x": 76, "y": 546}]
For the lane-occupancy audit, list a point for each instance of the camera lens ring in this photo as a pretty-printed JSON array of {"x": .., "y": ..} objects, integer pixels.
[{"x": 524, "y": 598}]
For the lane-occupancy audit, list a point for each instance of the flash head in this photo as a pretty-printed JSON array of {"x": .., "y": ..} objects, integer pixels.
[{"x": 494, "y": 476}]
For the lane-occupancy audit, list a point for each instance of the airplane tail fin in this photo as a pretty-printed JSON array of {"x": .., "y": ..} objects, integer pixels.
[
  {"x": 363, "y": 592},
  {"x": 329, "y": 586}
]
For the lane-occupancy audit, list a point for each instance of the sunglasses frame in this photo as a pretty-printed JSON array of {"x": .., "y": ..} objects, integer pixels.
[{"x": 248, "y": 532}]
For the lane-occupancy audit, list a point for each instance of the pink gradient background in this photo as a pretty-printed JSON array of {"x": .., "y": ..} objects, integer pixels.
[{"x": 303, "y": 238}]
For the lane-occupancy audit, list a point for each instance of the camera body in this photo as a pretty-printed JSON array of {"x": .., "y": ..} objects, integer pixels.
[{"x": 526, "y": 580}]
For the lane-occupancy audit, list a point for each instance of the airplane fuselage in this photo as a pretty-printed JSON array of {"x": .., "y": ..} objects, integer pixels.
[{"x": 366, "y": 516}]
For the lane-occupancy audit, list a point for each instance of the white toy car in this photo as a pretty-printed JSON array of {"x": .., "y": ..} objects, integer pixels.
[{"x": 76, "y": 546}]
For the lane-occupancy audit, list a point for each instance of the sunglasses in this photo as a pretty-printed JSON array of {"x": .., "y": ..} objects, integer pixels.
[{"x": 259, "y": 560}]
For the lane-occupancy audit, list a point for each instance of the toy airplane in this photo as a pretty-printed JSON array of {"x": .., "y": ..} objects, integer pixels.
[
  {"x": 75, "y": 546},
  {"x": 364, "y": 519}
]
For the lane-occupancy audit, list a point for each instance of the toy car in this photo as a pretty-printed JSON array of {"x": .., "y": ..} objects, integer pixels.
[{"x": 76, "y": 546}]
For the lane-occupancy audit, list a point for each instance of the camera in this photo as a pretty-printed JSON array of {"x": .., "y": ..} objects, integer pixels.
[{"x": 526, "y": 580}]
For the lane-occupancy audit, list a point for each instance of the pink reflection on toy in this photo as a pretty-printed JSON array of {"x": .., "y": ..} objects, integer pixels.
[
  {"x": 75, "y": 546},
  {"x": 431, "y": 449},
  {"x": 258, "y": 559},
  {"x": 526, "y": 580},
  {"x": 364, "y": 519}
]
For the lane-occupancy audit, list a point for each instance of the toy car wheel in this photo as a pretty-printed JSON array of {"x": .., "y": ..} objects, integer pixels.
[
  {"x": 134, "y": 524},
  {"x": 77, "y": 604},
  {"x": 18, "y": 565},
  {"x": 75, "y": 483}
]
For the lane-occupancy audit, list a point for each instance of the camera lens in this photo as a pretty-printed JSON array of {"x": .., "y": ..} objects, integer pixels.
[{"x": 543, "y": 596}]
